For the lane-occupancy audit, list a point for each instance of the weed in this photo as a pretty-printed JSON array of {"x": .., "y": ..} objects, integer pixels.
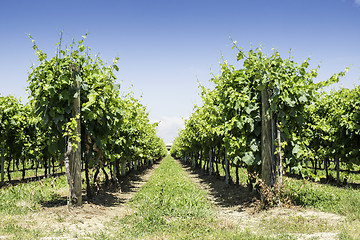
[
  {"x": 28, "y": 197},
  {"x": 171, "y": 206},
  {"x": 344, "y": 201}
]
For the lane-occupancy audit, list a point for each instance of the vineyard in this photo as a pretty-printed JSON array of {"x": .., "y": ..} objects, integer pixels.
[
  {"x": 266, "y": 136},
  {"x": 75, "y": 121},
  {"x": 270, "y": 117}
]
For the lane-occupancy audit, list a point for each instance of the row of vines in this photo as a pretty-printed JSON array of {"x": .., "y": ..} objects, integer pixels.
[
  {"x": 75, "y": 106},
  {"x": 270, "y": 116}
]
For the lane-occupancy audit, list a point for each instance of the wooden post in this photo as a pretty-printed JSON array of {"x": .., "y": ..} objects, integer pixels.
[
  {"x": 227, "y": 173},
  {"x": 123, "y": 168},
  {"x": 280, "y": 176},
  {"x": 2, "y": 165},
  {"x": 77, "y": 153},
  {"x": 337, "y": 171},
  {"x": 114, "y": 172},
  {"x": 9, "y": 157},
  {"x": 267, "y": 174},
  {"x": 326, "y": 169},
  {"x": 135, "y": 165},
  {"x": 280, "y": 160},
  {"x": 210, "y": 162},
  {"x": 73, "y": 156},
  {"x": 200, "y": 160}
]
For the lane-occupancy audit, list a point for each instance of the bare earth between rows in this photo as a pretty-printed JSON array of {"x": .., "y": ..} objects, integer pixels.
[
  {"x": 92, "y": 216},
  {"x": 233, "y": 205},
  {"x": 236, "y": 206}
]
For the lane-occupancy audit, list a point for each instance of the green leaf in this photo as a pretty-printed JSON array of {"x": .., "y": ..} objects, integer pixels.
[
  {"x": 289, "y": 102},
  {"x": 302, "y": 71},
  {"x": 116, "y": 87},
  {"x": 297, "y": 150},
  {"x": 239, "y": 56},
  {"x": 248, "y": 158},
  {"x": 82, "y": 48},
  {"x": 78, "y": 78},
  {"x": 76, "y": 94},
  {"x": 250, "y": 108},
  {"x": 58, "y": 118},
  {"x": 254, "y": 146},
  {"x": 303, "y": 98}
]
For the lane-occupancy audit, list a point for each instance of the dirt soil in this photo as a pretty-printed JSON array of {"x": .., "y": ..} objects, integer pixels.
[
  {"x": 93, "y": 215},
  {"x": 235, "y": 205},
  {"x": 238, "y": 207}
]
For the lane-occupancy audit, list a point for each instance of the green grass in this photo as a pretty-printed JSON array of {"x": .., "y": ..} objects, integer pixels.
[
  {"x": 168, "y": 203},
  {"x": 171, "y": 193},
  {"x": 298, "y": 224},
  {"x": 352, "y": 177},
  {"x": 324, "y": 197},
  {"x": 25, "y": 197},
  {"x": 17, "y": 173},
  {"x": 243, "y": 177},
  {"x": 170, "y": 206},
  {"x": 12, "y": 230}
]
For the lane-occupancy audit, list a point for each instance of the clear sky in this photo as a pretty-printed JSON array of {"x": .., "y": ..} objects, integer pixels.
[{"x": 166, "y": 46}]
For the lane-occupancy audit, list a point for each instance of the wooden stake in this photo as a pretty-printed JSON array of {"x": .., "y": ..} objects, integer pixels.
[
  {"x": 2, "y": 165},
  {"x": 266, "y": 141},
  {"x": 227, "y": 172},
  {"x": 73, "y": 157}
]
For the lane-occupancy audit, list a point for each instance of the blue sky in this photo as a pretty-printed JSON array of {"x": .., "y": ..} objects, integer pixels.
[{"x": 165, "y": 46}]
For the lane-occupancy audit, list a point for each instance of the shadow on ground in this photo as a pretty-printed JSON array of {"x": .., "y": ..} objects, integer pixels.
[
  {"x": 110, "y": 194},
  {"x": 15, "y": 182},
  {"x": 224, "y": 195}
]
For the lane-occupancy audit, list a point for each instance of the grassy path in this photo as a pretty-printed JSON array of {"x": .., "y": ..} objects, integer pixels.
[
  {"x": 177, "y": 204},
  {"x": 37, "y": 210},
  {"x": 234, "y": 205},
  {"x": 171, "y": 206},
  {"x": 169, "y": 201}
]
